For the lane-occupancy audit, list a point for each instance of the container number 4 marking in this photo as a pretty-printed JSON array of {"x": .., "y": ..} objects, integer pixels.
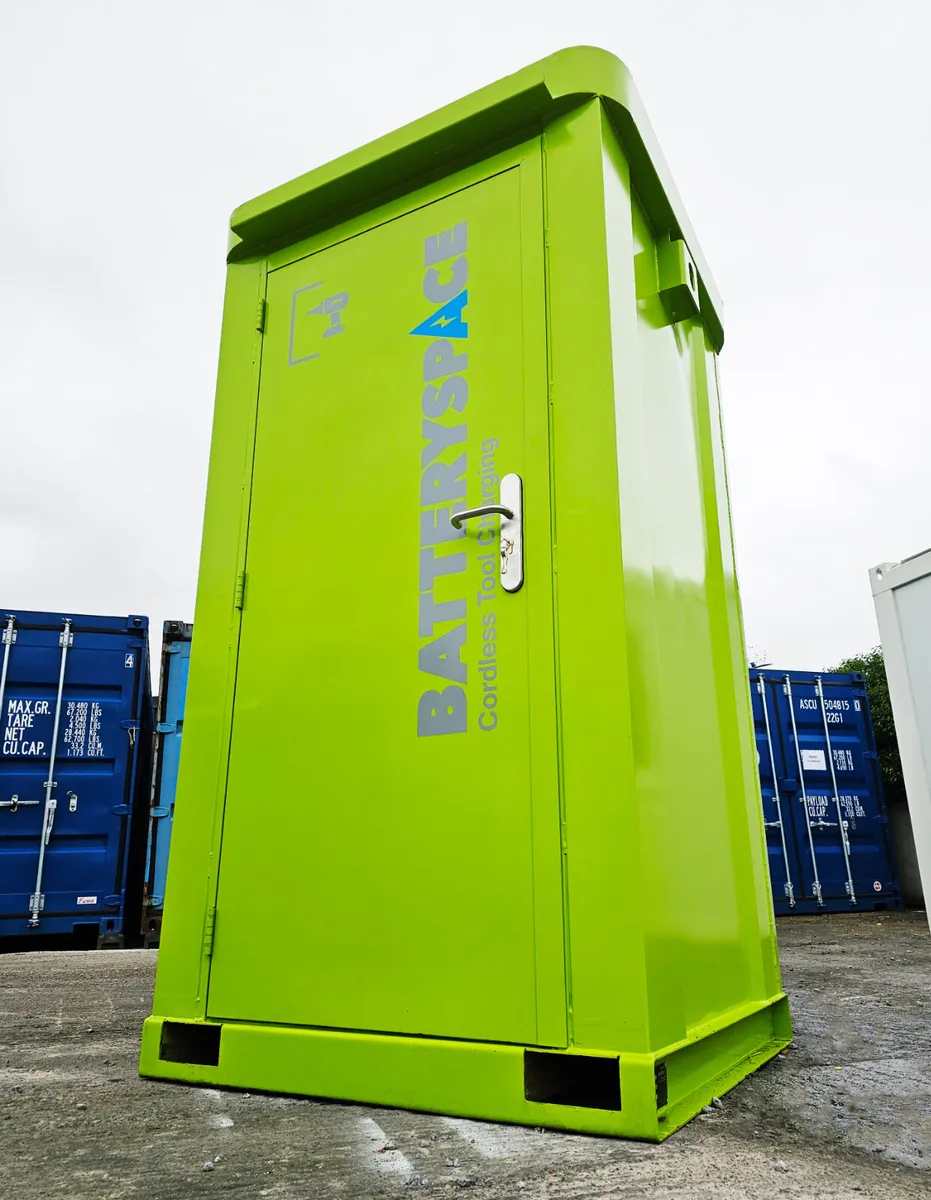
[{"x": 129, "y": 660}]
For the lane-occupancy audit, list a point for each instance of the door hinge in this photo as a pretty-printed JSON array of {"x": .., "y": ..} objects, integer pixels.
[
  {"x": 260, "y": 316},
  {"x": 210, "y": 924},
  {"x": 240, "y": 590}
]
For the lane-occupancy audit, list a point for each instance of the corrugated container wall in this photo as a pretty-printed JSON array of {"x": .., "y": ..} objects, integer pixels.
[
  {"x": 902, "y": 596},
  {"x": 76, "y": 711},
  {"x": 823, "y": 809},
  {"x": 172, "y": 692}
]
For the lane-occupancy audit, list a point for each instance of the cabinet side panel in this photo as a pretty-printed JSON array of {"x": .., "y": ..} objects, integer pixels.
[
  {"x": 733, "y": 686},
  {"x": 904, "y": 614},
  {"x": 708, "y": 926},
  {"x": 735, "y": 716},
  {"x": 181, "y": 982},
  {"x": 636, "y": 471},
  {"x": 604, "y": 884}
]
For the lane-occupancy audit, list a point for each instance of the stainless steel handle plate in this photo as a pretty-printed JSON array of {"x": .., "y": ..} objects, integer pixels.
[{"x": 511, "y": 511}]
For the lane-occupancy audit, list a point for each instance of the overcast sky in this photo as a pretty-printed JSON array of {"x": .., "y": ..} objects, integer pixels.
[{"x": 798, "y": 132}]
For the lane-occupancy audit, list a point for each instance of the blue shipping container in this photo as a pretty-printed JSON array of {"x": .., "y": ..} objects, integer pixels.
[
  {"x": 172, "y": 691},
  {"x": 75, "y": 752},
  {"x": 823, "y": 808}
]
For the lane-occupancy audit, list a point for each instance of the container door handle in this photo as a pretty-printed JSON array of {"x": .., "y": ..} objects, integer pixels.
[{"x": 511, "y": 512}]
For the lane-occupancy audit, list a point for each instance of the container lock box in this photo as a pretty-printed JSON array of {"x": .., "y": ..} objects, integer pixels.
[{"x": 456, "y": 829}]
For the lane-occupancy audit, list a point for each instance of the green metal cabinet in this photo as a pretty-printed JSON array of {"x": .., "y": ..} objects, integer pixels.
[{"x": 468, "y": 818}]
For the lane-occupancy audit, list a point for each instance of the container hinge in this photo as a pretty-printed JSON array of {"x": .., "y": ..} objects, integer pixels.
[
  {"x": 158, "y": 813},
  {"x": 209, "y": 927},
  {"x": 112, "y": 901},
  {"x": 121, "y": 810},
  {"x": 167, "y": 727},
  {"x": 240, "y": 590},
  {"x": 260, "y": 316}
]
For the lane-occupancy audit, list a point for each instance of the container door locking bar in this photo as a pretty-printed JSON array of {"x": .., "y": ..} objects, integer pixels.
[
  {"x": 9, "y": 637},
  {"x": 37, "y": 899},
  {"x": 816, "y": 882},
  {"x": 842, "y": 824},
  {"x": 778, "y": 823},
  {"x": 511, "y": 511},
  {"x": 14, "y": 804}
]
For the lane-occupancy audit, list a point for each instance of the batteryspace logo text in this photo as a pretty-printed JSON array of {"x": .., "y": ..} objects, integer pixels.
[{"x": 444, "y": 465}]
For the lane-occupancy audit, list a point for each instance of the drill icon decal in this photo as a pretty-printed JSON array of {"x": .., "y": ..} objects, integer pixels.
[{"x": 331, "y": 307}]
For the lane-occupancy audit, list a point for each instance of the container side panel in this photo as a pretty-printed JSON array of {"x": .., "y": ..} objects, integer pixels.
[
  {"x": 758, "y": 932},
  {"x": 913, "y": 607},
  {"x": 709, "y": 919},
  {"x": 176, "y": 659},
  {"x": 202, "y": 779},
  {"x": 904, "y": 630},
  {"x": 641, "y": 688},
  {"x": 688, "y": 839},
  {"x": 693, "y": 911},
  {"x": 605, "y": 886},
  {"x": 378, "y": 868}
]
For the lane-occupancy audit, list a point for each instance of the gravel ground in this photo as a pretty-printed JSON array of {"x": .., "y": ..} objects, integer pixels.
[{"x": 845, "y": 1114}]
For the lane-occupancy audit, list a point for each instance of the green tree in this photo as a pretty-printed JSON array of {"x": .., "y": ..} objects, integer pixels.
[{"x": 872, "y": 666}]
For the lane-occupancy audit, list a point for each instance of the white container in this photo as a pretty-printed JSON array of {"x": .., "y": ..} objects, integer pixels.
[{"x": 902, "y": 596}]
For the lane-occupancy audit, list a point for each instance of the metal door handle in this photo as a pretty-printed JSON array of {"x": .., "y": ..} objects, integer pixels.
[
  {"x": 511, "y": 536},
  {"x": 484, "y": 510}
]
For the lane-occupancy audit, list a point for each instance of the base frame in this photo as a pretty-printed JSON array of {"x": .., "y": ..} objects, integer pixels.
[{"x": 659, "y": 1092}]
